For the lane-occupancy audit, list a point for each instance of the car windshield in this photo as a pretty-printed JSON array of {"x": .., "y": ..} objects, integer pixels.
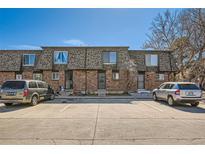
[
  {"x": 14, "y": 85},
  {"x": 188, "y": 87}
]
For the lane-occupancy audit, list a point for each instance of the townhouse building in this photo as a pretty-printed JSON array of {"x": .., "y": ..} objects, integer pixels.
[{"x": 88, "y": 69}]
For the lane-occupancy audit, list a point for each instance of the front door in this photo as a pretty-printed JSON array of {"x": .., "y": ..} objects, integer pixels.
[
  {"x": 69, "y": 80},
  {"x": 101, "y": 80},
  {"x": 140, "y": 80}
]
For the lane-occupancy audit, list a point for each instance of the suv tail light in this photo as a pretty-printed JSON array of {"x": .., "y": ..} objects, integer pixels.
[
  {"x": 25, "y": 92},
  {"x": 177, "y": 92}
]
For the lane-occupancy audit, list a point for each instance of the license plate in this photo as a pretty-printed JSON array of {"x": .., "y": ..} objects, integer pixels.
[
  {"x": 189, "y": 93},
  {"x": 11, "y": 94}
]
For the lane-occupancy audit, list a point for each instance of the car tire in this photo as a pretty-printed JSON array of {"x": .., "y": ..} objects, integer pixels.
[
  {"x": 195, "y": 104},
  {"x": 155, "y": 97},
  {"x": 170, "y": 101},
  {"x": 8, "y": 104},
  {"x": 34, "y": 100}
]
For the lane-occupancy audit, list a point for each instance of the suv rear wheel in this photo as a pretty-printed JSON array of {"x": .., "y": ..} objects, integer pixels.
[
  {"x": 170, "y": 101},
  {"x": 195, "y": 104},
  {"x": 34, "y": 100},
  {"x": 8, "y": 104}
]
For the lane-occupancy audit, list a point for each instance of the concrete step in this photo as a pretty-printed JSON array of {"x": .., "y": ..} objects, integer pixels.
[{"x": 101, "y": 92}]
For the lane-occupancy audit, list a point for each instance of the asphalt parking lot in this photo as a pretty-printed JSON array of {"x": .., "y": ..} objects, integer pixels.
[{"x": 98, "y": 122}]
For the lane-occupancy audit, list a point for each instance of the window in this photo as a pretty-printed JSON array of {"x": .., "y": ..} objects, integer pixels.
[
  {"x": 109, "y": 57},
  {"x": 18, "y": 76},
  {"x": 151, "y": 60},
  {"x": 32, "y": 84},
  {"x": 29, "y": 59},
  {"x": 188, "y": 87},
  {"x": 14, "y": 85},
  {"x": 37, "y": 76},
  {"x": 160, "y": 77},
  {"x": 55, "y": 76},
  {"x": 60, "y": 57},
  {"x": 115, "y": 75},
  {"x": 168, "y": 86},
  {"x": 40, "y": 85}
]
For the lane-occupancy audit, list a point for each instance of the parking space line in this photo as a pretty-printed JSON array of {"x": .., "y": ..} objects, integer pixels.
[
  {"x": 66, "y": 107},
  {"x": 154, "y": 107}
]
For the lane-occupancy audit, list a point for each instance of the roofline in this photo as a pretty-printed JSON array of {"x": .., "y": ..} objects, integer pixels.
[
  {"x": 149, "y": 50},
  {"x": 20, "y": 50},
  {"x": 84, "y": 47}
]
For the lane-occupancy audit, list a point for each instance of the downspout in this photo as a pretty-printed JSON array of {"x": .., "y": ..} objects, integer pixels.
[{"x": 170, "y": 62}]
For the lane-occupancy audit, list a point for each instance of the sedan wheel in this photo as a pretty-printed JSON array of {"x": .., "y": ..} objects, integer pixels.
[
  {"x": 155, "y": 96},
  {"x": 170, "y": 101}
]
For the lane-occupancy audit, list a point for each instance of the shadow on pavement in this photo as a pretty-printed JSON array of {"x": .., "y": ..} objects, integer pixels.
[
  {"x": 13, "y": 107},
  {"x": 184, "y": 107}
]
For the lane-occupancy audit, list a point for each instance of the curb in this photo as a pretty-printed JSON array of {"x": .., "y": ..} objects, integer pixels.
[{"x": 103, "y": 97}]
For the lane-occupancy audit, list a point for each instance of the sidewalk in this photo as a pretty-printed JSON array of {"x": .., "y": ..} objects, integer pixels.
[{"x": 137, "y": 96}]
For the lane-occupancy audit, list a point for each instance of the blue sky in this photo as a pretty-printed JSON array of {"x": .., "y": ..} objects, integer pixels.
[{"x": 31, "y": 28}]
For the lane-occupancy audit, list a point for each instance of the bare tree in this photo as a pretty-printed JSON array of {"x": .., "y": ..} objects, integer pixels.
[{"x": 183, "y": 33}]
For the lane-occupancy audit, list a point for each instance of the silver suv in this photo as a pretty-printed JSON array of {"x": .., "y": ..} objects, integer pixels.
[
  {"x": 178, "y": 92},
  {"x": 25, "y": 91}
]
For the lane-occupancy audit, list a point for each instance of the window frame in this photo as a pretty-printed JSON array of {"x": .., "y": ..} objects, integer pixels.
[
  {"x": 113, "y": 72},
  {"x": 38, "y": 74},
  {"x": 29, "y": 59},
  {"x": 158, "y": 77},
  {"x": 55, "y": 79},
  {"x": 62, "y": 63},
  {"x": 18, "y": 75},
  {"x": 150, "y": 62},
  {"x": 109, "y": 57}
]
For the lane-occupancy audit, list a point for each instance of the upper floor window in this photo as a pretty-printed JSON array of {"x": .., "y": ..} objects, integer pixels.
[
  {"x": 151, "y": 60},
  {"x": 29, "y": 59},
  {"x": 60, "y": 57},
  {"x": 109, "y": 57}
]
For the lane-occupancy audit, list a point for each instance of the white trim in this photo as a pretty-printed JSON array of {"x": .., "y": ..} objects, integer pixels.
[{"x": 55, "y": 79}]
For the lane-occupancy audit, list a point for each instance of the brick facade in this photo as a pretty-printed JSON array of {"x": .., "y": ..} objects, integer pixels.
[
  {"x": 85, "y": 63},
  {"x": 115, "y": 86},
  {"x": 151, "y": 81},
  {"x": 55, "y": 84}
]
